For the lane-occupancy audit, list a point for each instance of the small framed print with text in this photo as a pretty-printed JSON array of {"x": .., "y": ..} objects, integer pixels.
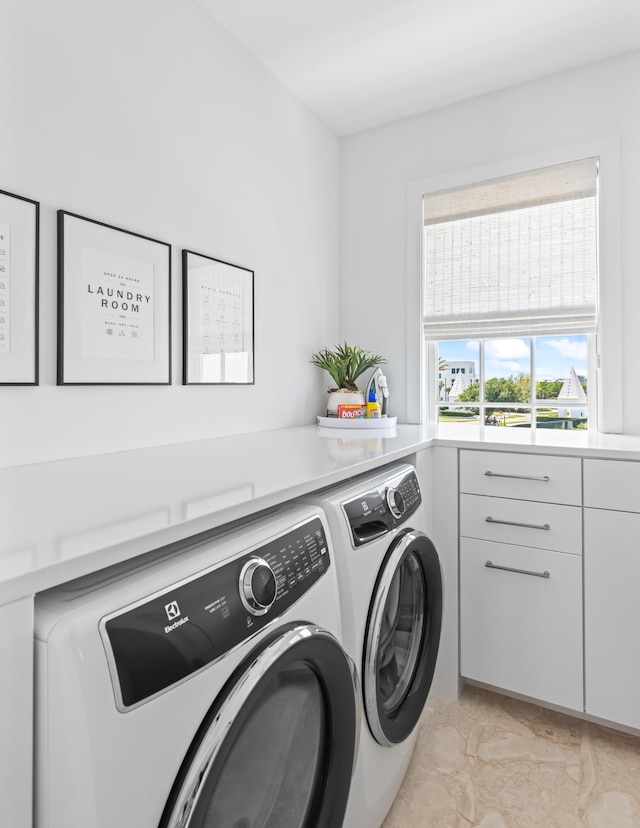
[
  {"x": 19, "y": 263},
  {"x": 218, "y": 327},
  {"x": 114, "y": 305}
]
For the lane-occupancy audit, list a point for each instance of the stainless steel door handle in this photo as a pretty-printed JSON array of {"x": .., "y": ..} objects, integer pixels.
[
  {"x": 544, "y": 526},
  {"x": 544, "y": 479},
  {"x": 545, "y": 574}
]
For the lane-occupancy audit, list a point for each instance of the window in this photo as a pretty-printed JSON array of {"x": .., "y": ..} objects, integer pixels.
[
  {"x": 557, "y": 398},
  {"x": 510, "y": 297}
]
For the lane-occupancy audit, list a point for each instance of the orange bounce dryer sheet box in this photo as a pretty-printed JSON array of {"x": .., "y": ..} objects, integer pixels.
[{"x": 352, "y": 412}]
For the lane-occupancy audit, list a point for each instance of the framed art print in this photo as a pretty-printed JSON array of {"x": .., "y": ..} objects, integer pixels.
[
  {"x": 218, "y": 329},
  {"x": 19, "y": 255},
  {"x": 114, "y": 305}
]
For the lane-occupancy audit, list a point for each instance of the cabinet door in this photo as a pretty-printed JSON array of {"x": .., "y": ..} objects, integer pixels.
[
  {"x": 612, "y": 615},
  {"x": 518, "y": 631}
]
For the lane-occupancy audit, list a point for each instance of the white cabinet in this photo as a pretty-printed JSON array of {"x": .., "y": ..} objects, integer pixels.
[
  {"x": 611, "y": 590},
  {"x": 612, "y": 615},
  {"x": 521, "y": 620},
  {"x": 521, "y": 574}
]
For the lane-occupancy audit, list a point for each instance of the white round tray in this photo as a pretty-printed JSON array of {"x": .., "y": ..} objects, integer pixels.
[{"x": 374, "y": 422}]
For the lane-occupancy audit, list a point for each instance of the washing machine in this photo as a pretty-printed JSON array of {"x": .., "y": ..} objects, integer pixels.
[
  {"x": 391, "y": 594},
  {"x": 202, "y": 685}
]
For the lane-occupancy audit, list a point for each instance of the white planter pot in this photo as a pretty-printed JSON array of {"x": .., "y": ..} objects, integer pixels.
[{"x": 342, "y": 397}]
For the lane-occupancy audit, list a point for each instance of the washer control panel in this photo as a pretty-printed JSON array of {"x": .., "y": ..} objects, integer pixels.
[
  {"x": 374, "y": 513},
  {"x": 165, "y": 637}
]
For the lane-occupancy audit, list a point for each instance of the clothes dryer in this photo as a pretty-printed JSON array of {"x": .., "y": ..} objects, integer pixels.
[
  {"x": 390, "y": 584},
  {"x": 202, "y": 685}
]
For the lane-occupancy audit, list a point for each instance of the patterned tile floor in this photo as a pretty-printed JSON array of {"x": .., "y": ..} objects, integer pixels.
[{"x": 488, "y": 761}]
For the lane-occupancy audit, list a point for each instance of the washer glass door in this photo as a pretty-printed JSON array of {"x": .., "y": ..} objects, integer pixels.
[
  {"x": 272, "y": 767},
  {"x": 277, "y": 750},
  {"x": 401, "y": 633},
  {"x": 403, "y": 636}
]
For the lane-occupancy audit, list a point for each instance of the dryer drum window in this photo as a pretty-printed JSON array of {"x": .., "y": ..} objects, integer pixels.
[
  {"x": 403, "y": 635},
  {"x": 276, "y": 750}
]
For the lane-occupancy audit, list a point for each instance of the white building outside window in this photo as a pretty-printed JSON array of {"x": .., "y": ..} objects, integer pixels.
[{"x": 455, "y": 377}]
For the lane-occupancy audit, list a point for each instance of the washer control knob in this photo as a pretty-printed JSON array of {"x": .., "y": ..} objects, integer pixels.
[
  {"x": 257, "y": 586},
  {"x": 395, "y": 501}
]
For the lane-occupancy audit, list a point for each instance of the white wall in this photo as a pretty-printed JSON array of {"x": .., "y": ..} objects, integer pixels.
[
  {"x": 595, "y": 103},
  {"x": 146, "y": 115}
]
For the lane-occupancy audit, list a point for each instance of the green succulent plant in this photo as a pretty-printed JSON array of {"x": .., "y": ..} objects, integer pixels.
[{"x": 345, "y": 363}]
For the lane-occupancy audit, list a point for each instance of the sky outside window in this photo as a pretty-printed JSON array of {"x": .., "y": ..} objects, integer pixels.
[{"x": 555, "y": 356}]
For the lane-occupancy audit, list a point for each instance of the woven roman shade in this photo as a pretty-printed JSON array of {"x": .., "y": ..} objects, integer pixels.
[{"x": 515, "y": 256}]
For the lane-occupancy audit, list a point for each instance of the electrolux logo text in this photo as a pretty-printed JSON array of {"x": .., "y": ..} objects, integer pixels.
[{"x": 173, "y": 611}]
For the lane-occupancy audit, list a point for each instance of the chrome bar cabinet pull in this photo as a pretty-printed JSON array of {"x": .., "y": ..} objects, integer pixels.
[
  {"x": 544, "y": 526},
  {"x": 544, "y": 479},
  {"x": 545, "y": 574}
]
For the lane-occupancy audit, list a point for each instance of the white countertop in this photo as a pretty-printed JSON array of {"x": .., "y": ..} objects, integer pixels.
[
  {"x": 541, "y": 440},
  {"x": 63, "y": 519}
]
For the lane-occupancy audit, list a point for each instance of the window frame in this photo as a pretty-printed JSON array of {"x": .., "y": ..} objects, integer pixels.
[{"x": 606, "y": 384}]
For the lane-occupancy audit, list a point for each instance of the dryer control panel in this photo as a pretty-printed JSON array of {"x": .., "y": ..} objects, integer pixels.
[
  {"x": 166, "y": 637},
  {"x": 377, "y": 511}
]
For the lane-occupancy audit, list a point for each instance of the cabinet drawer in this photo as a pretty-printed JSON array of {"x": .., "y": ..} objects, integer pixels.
[
  {"x": 520, "y": 632},
  {"x": 612, "y": 484},
  {"x": 523, "y": 476},
  {"x": 540, "y": 525}
]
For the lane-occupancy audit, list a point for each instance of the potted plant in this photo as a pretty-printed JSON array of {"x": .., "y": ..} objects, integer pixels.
[{"x": 344, "y": 364}]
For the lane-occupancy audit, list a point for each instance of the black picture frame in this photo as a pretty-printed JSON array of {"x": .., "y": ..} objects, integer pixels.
[
  {"x": 114, "y": 305},
  {"x": 218, "y": 328},
  {"x": 19, "y": 289}
]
